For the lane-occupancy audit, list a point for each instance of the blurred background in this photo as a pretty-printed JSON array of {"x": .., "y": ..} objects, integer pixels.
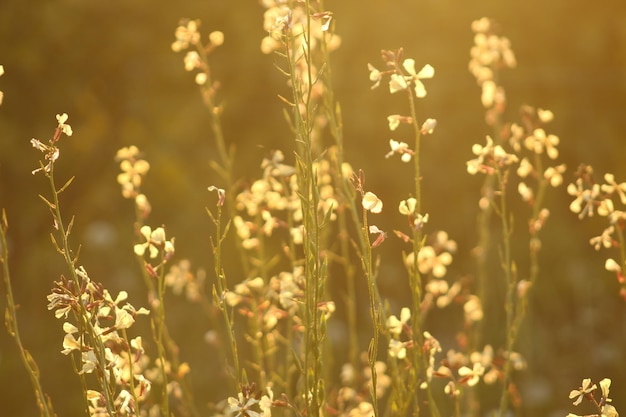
[{"x": 109, "y": 65}]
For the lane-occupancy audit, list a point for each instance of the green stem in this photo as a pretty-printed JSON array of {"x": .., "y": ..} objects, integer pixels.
[
  {"x": 510, "y": 280},
  {"x": 43, "y": 401}
]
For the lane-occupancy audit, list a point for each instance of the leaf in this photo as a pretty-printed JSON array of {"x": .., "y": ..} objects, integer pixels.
[
  {"x": 286, "y": 101},
  {"x": 49, "y": 204},
  {"x": 67, "y": 184}
]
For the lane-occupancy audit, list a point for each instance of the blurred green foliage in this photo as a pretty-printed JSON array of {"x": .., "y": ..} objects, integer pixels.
[{"x": 108, "y": 64}]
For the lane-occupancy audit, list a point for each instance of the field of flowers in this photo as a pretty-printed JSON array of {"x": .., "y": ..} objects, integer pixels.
[{"x": 312, "y": 209}]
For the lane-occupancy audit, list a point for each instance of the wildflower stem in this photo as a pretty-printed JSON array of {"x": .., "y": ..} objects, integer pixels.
[
  {"x": 43, "y": 401},
  {"x": 510, "y": 280},
  {"x": 222, "y": 287},
  {"x": 333, "y": 113},
  {"x": 302, "y": 83},
  {"x": 208, "y": 90},
  {"x": 419, "y": 360}
]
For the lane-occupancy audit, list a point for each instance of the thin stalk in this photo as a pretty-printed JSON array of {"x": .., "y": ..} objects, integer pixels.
[
  {"x": 222, "y": 287},
  {"x": 43, "y": 401},
  {"x": 419, "y": 360},
  {"x": 159, "y": 324},
  {"x": 509, "y": 275},
  {"x": 309, "y": 200}
]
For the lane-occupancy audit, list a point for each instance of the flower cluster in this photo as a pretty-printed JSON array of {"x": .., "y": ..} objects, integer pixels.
[
  {"x": 462, "y": 369},
  {"x": 489, "y": 54},
  {"x": 51, "y": 151},
  {"x": 403, "y": 77},
  {"x": 155, "y": 243},
  {"x": 285, "y": 24},
  {"x": 250, "y": 403},
  {"x": 180, "y": 278},
  {"x": 272, "y": 202},
  {"x": 357, "y": 386},
  {"x": 397, "y": 327},
  {"x": 188, "y": 36},
  {"x": 134, "y": 169},
  {"x": 604, "y": 199},
  {"x": 98, "y": 338},
  {"x": 586, "y": 391},
  {"x": 489, "y": 158}
]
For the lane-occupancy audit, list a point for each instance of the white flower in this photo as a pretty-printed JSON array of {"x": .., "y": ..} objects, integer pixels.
[
  {"x": 399, "y": 148},
  {"x": 394, "y": 325},
  {"x": 427, "y": 71},
  {"x": 372, "y": 203}
]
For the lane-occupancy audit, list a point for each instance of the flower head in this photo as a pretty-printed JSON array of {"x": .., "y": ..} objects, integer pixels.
[
  {"x": 400, "y": 148},
  {"x": 427, "y": 71},
  {"x": 578, "y": 394},
  {"x": 372, "y": 203}
]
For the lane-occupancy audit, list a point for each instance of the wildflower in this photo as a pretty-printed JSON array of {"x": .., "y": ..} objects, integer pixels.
[
  {"x": 426, "y": 72},
  {"x": 364, "y": 409},
  {"x": 609, "y": 411},
  {"x": 605, "y": 384},
  {"x": 70, "y": 343},
  {"x": 407, "y": 207},
  {"x": 526, "y": 192},
  {"x": 605, "y": 207},
  {"x": 375, "y": 76},
  {"x": 266, "y": 402},
  {"x": 554, "y": 175},
  {"x": 612, "y": 266},
  {"x": 545, "y": 116},
  {"x": 381, "y": 236},
  {"x": 394, "y": 325},
  {"x": 539, "y": 141},
  {"x": 155, "y": 241},
  {"x": 578, "y": 394},
  {"x": 397, "y": 83},
  {"x": 612, "y": 186},
  {"x": 90, "y": 362},
  {"x": 400, "y": 148},
  {"x": 65, "y": 128},
  {"x": 394, "y": 121},
  {"x": 62, "y": 303},
  {"x": 186, "y": 34},
  {"x": 489, "y": 157},
  {"x": 488, "y": 94},
  {"x": 133, "y": 170},
  {"x": 372, "y": 203},
  {"x": 429, "y": 261},
  {"x": 432, "y": 346},
  {"x": 585, "y": 198},
  {"x": 216, "y": 38},
  {"x": 397, "y": 349},
  {"x": 192, "y": 61},
  {"x": 471, "y": 376},
  {"x": 242, "y": 406},
  {"x": 443, "y": 243},
  {"x": 428, "y": 127},
  {"x": 473, "y": 309},
  {"x": 524, "y": 168}
]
